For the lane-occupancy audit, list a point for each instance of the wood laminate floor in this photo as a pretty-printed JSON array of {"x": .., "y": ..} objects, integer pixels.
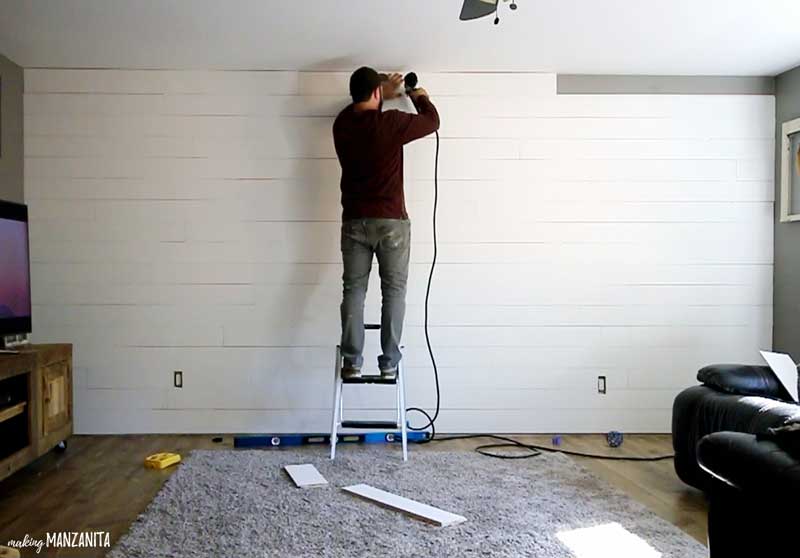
[{"x": 100, "y": 484}]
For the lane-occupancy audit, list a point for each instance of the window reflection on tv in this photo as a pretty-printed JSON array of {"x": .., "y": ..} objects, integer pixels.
[{"x": 15, "y": 298}]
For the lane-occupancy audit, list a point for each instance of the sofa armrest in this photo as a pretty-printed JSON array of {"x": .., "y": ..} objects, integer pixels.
[
  {"x": 744, "y": 379},
  {"x": 754, "y": 466},
  {"x": 701, "y": 410}
]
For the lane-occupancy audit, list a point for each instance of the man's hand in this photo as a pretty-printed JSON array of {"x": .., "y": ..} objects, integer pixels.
[
  {"x": 391, "y": 86},
  {"x": 418, "y": 92}
]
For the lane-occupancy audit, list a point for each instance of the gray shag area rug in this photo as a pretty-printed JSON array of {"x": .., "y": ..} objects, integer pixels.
[{"x": 241, "y": 503}]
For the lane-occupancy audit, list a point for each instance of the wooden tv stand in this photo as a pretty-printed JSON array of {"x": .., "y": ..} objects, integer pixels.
[{"x": 35, "y": 403}]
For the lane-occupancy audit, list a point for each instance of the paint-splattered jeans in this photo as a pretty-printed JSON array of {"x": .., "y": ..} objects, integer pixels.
[{"x": 390, "y": 241}]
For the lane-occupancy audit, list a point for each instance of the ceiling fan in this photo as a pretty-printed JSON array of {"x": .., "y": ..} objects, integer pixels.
[{"x": 474, "y": 9}]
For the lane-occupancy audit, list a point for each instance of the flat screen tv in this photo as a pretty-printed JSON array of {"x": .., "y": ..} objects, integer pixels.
[{"x": 15, "y": 285}]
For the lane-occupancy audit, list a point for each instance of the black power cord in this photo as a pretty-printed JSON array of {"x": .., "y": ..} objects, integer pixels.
[
  {"x": 533, "y": 450},
  {"x": 431, "y": 419}
]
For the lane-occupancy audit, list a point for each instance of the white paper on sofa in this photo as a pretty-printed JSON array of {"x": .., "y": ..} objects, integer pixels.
[{"x": 785, "y": 369}]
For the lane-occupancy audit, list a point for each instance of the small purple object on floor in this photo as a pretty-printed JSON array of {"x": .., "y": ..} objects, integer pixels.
[
  {"x": 557, "y": 440},
  {"x": 614, "y": 439}
]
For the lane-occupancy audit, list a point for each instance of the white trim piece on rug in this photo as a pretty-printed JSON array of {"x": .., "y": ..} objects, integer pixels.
[
  {"x": 305, "y": 475},
  {"x": 410, "y": 507}
]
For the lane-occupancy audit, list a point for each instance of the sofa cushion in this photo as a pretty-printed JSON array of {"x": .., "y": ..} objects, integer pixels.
[{"x": 744, "y": 379}]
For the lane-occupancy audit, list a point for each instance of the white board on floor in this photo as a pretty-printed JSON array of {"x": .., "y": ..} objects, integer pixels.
[
  {"x": 305, "y": 476},
  {"x": 405, "y": 505}
]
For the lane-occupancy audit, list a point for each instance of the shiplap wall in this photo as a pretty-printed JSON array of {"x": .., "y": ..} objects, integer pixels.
[{"x": 190, "y": 220}]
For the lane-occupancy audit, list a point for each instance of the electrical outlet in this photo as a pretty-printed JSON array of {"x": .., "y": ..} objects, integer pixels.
[
  {"x": 601, "y": 384},
  {"x": 177, "y": 378}
]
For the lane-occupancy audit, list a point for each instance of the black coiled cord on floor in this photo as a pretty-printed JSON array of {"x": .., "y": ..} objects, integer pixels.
[{"x": 533, "y": 450}]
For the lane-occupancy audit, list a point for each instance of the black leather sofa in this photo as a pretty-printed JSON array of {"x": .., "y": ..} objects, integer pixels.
[
  {"x": 753, "y": 495},
  {"x": 724, "y": 445},
  {"x": 733, "y": 398}
]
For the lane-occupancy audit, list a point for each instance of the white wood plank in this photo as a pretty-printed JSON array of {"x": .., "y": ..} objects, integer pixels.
[
  {"x": 255, "y": 105},
  {"x": 647, "y": 149},
  {"x": 600, "y": 128},
  {"x": 117, "y": 399},
  {"x": 119, "y": 189},
  {"x": 94, "y": 81},
  {"x": 410, "y": 507},
  {"x": 99, "y": 293},
  {"x": 156, "y": 335},
  {"x": 461, "y": 191},
  {"x": 603, "y": 170},
  {"x": 305, "y": 475},
  {"x": 455, "y": 105},
  {"x": 160, "y": 81},
  {"x": 186, "y": 168},
  {"x": 761, "y": 169},
  {"x": 75, "y": 210},
  {"x": 202, "y": 421},
  {"x": 561, "y": 314},
  {"x": 471, "y": 275},
  {"x": 92, "y": 103},
  {"x": 162, "y": 230},
  {"x": 596, "y": 253},
  {"x": 738, "y": 107},
  {"x": 525, "y": 252}
]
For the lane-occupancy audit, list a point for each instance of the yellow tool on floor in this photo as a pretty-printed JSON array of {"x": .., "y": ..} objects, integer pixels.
[{"x": 161, "y": 460}]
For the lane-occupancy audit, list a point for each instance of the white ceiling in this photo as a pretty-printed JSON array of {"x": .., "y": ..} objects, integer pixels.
[{"x": 666, "y": 37}]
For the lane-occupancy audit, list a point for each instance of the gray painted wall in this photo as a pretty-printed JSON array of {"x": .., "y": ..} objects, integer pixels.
[
  {"x": 786, "y": 297},
  {"x": 11, "y": 161},
  {"x": 663, "y": 85}
]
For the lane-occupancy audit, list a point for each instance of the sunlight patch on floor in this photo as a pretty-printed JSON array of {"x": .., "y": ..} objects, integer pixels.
[{"x": 610, "y": 540}]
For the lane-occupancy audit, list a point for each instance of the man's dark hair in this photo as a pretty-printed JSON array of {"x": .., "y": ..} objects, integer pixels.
[{"x": 363, "y": 82}]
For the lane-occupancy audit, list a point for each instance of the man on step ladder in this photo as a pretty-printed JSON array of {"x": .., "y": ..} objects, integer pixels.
[{"x": 369, "y": 145}]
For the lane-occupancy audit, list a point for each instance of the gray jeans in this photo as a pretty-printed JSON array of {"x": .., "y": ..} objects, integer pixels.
[{"x": 390, "y": 241}]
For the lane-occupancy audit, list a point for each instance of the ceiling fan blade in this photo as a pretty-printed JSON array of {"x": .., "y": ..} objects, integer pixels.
[{"x": 474, "y": 9}]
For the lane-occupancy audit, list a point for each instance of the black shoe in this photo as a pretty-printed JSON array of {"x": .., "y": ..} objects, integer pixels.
[
  {"x": 389, "y": 374},
  {"x": 350, "y": 373}
]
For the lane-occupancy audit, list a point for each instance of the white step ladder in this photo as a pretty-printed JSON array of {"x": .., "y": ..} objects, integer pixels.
[{"x": 337, "y": 420}]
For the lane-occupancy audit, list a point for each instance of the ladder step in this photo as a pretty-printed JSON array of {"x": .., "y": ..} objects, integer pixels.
[
  {"x": 374, "y": 379},
  {"x": 372, "y": 326},
  {"x": 377, "y": 424}
]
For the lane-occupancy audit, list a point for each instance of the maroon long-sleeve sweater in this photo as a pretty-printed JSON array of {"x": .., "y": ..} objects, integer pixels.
[{"x": 369, "y": 145}]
